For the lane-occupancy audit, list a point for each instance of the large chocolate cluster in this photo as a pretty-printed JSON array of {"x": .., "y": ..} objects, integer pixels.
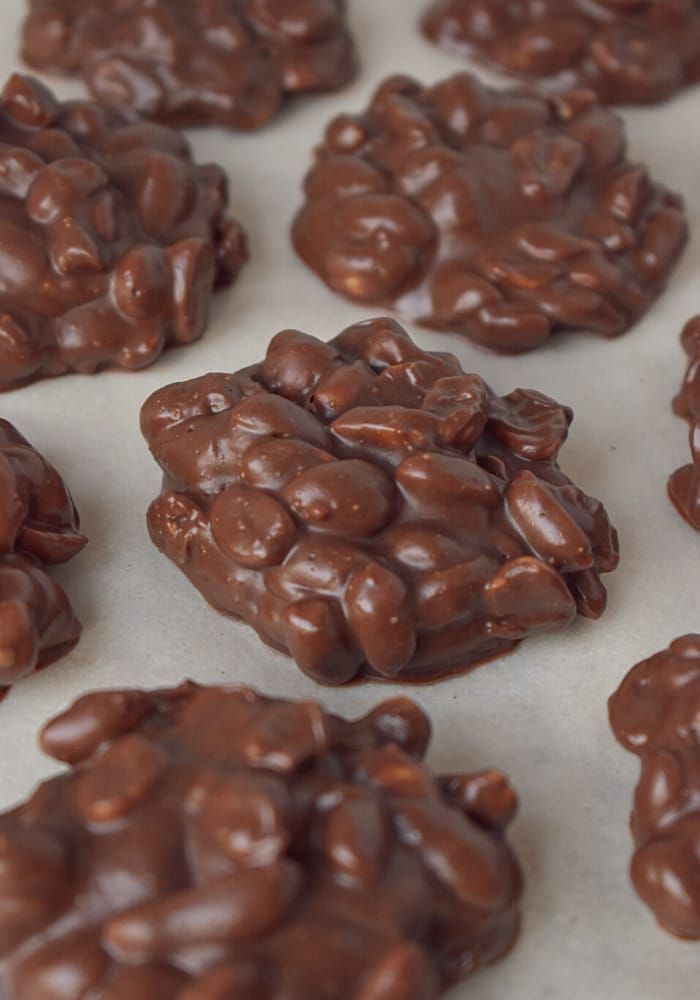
[
  {"x": 39, "y": 527},
  {"x": 684, "y": 485},
  {"x": 373, "y": 510},
  {"x": 194, "y": 62},
  {"x": 498, "y": 215},
  {"x": 628, "y": 51},
  {"x": 210, "y": 843},
  {"x": 111, "y": 237},
  {"x": 654, "y": 714}
]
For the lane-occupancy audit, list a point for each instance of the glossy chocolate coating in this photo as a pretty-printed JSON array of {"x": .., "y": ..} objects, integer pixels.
[
  {"x": 372, "y": 510},
  {"x": 654, "y": 714},
  {"x": 194, "y": 62},
  {"x": 498, "y": 215},
  {"x": 627, "y": 51},
  {"x": 111, "y": 238},
  {"x": 212, "y": 844},
  {"x": 39, "y": 527},
  {"x": 684, "y": 485}
]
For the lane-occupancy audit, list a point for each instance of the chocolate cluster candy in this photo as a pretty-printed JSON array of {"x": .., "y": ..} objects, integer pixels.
[
  {"x": 627, "y": 51},
  {"x": 194, "y": 62},
  {"x": 684, "y": 485},
  {"x": 371, "y": 509},
  {"x": 498, "y": 215},
  {"x": 39, "y": 527},
  {"x": 212, "y": 844},
  {"x": 654, "y": 714},
  {"x": 111, "y": 237}
]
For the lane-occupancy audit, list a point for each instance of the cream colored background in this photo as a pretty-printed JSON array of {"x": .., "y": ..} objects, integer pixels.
[{"x": 540, "y": 714}]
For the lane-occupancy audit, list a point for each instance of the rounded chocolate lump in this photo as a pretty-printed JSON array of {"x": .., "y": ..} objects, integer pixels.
[
  {"x": 498, "y": 215},
  {"x": 211, "y": 843},
  {"x": 111, "y": 237},
  {"x": 371, "y": 509},
  {"x": 627, "y": 51},
  {"x": 39, "y": 527},
  {"x": 684, "y": 485},
  {"x": 654, "y": 714},
  {"x": 194, "y": 62}
]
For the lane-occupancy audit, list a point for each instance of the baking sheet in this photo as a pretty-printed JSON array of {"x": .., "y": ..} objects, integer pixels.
[{"x": 540, "y": 714}]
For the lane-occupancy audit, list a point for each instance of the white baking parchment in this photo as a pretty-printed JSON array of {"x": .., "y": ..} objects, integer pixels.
[{"x": 540, "y": 713}]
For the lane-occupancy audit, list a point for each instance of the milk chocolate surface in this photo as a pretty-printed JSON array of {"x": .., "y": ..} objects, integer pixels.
[
  {"x": 39, "y": 527},
  {"x": 684, "y": 485},
  {"x": 371, "y": 509},
  {"x": 111, "y": 237},
  {"x": 498, "y": 215},
  {"x": 654, "y": 714},
  {"x": 212, "y": 844},
  {"x": 627, "y": 51},
  {"x": 194, "y": 62}
]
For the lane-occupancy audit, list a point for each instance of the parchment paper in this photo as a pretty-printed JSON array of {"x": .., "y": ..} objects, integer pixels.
[{"x": 540, "y": 714}]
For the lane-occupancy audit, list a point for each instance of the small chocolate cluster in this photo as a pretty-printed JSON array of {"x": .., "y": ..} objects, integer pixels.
[
  {"x": 684, "y": 485},
  {"x": 498, "y": 215},
  {"x": 371, "y": 509},
  {"x": 212, "y": 843},
  {"x": 111, "y": 237},
  {"x": 627, "y": 51},
  {"x": 194, "y": 62},
  {"x": 654, "y": 714},
  {"x": 38, "y": 528}
]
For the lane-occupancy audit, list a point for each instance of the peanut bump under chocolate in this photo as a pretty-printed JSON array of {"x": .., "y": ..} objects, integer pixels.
[
  {"x": 627, "y": 51},
  {"x": 39, "y": 528},
  {"x": 194, "y": 62},
  {"x": 654, "y": 714},
  {"x": 371, "y": 509},
  {"x": 111, "y": 238},
  {"x": 212, "y": 844},
  {"x": 684, "y": 485},
  {"x": 499, "y": 215}
]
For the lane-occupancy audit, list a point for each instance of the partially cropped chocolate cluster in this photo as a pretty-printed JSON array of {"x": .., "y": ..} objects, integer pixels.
[
  {"x": 373, "y": 510},
  {"x": 39, "y": 527},
  {"x": 194, "y": 62},
  {"x": 111, "y": 237},
  {"x": 655, "y": 715},
  {"x": 498, "y": 215},
  {"x": 628, "y": 51},
  {"x": 684, "y": 485},
  {"x": 211, "y": 843}
]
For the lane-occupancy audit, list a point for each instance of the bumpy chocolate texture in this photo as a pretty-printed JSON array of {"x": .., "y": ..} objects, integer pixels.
[
  {"x": 654, "y": 714},
  {"x": 372, "y": 510},
  {"x": 194, "y": 62},
  {"x": 684, "y": 485},
  {"x": 111, "y": 238},
  {"x": 498, "y": 215},
  {"x": 628, "y": 51},
  {"x": 38, "y": 528},
  {"x": 211, "y": 844}
]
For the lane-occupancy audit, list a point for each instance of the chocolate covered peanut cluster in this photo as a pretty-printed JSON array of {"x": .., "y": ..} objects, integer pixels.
[
  {"x": 627, "y": 51},
  {"x": 212, "y": 843},
  {"x": 501, "y": 216},
  {"x": 654, "y": 714},
  {"x": 371, "y": 509},
  {"x": 684, "y": 485},
  {"x": 194, "y": 62},
  {"x": 111, "y": 238},
  {"x": 39, "y": 527}
]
